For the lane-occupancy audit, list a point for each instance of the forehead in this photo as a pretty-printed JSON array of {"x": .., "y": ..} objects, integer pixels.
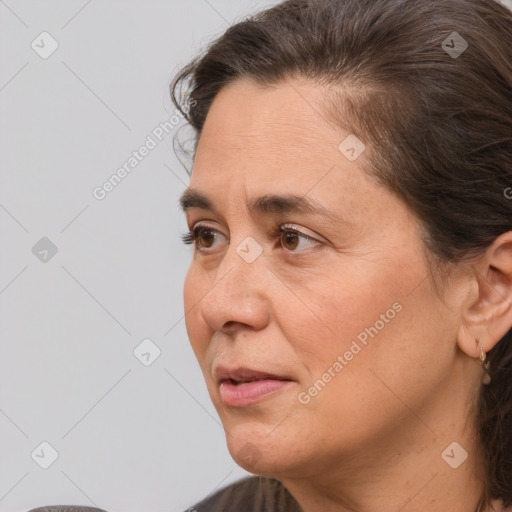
[{"x": 269, "y": 135}]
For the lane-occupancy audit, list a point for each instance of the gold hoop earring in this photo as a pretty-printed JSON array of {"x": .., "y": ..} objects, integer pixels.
[{"x": 486, "y": 379}]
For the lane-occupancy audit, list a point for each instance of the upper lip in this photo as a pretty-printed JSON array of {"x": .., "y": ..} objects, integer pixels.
[{"x": 244, "y": 374}]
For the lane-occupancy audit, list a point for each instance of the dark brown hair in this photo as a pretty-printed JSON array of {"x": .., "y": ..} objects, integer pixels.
[{"x": 439, "y": 125}]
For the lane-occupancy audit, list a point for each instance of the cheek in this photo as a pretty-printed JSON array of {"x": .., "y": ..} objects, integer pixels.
[
  {"x": 395, "y": 346},
  {"x": 372, "y": 320},
  {"x": 192, "y": 294},
  {"x": 189, "y": 288},
  {"x": 349, "y": 304}
]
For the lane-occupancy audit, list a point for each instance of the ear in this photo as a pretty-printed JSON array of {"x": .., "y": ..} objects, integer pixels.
[{"x": 487, "y": 314}]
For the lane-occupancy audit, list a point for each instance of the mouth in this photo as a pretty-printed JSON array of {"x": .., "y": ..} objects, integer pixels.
[{"x": 242, "y": 387}]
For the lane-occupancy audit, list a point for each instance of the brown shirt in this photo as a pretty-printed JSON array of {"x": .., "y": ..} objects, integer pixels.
[{"x": 251, "y": 494}]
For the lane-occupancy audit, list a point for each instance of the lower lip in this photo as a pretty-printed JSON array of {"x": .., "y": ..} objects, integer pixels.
[{"x": 242, "y": 395}]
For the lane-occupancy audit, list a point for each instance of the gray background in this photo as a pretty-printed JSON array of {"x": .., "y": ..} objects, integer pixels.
[{"x": 129, "y": 437}]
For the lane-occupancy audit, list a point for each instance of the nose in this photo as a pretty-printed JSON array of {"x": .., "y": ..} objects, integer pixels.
[{"x": 238, "y": 297}]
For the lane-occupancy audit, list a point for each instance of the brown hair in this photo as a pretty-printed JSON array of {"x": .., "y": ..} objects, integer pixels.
[{"x": 438, "y": 121}]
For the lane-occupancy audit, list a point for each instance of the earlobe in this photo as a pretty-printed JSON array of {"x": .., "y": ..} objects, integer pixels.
[{"x": 487, "y": 315}]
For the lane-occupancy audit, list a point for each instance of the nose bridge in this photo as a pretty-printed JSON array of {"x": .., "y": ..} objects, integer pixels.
[
  {"x": 243, "y": 264},
  {"x": 238, "y": 293}
]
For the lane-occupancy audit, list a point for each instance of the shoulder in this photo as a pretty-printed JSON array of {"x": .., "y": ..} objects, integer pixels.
[{"x": 251, "y": 494}]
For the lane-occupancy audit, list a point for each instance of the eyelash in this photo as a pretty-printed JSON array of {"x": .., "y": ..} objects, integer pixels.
[{"x": 192, "y": 236}]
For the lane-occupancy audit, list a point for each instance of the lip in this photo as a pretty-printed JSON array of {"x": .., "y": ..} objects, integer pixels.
[{"x": 242, "y": 386}]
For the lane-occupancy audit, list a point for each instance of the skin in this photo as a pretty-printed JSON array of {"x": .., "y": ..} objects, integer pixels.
[{"x": 372, "y": 438}]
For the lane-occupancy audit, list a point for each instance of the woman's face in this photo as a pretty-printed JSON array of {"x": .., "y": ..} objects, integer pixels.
[{"x": 347, "y": 317}]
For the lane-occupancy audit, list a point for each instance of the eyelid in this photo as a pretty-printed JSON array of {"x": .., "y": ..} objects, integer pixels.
[
  {"x": 304, "y": 232},
  {"x": 202, "y": 223}
]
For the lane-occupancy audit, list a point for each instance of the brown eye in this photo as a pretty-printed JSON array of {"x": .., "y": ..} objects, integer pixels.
[
  {"x": 290, "y": 240},
  {"x": 205, "y": 234},
  {"x": 202, "y": 237}
]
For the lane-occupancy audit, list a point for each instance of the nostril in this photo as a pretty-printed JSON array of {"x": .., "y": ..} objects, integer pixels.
[{"x": 232, "y": 324}]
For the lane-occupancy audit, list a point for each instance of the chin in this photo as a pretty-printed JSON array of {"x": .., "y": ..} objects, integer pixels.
[
  {"x": 256, "y": 452},
  {"x": 259, "y": 460}
]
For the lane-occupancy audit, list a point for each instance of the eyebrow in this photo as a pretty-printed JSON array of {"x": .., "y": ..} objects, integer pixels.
[{"x": 269, "y": 204}]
